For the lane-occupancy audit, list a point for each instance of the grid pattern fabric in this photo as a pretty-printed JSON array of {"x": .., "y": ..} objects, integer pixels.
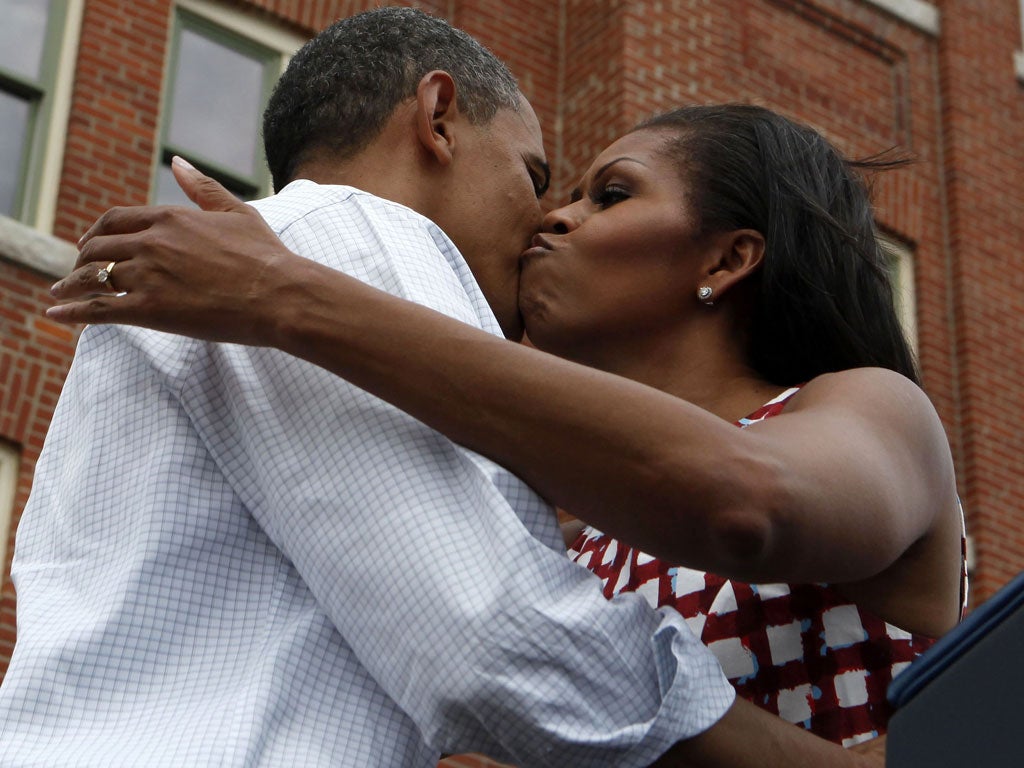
[
  {"x": 801, "y": 651},
  {"x": 233, "y": 558}
]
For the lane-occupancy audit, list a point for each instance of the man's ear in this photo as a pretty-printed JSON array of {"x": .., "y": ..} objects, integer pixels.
[
  {"x": 436, "y": 114},
  {"x": 738, "y": 254}
]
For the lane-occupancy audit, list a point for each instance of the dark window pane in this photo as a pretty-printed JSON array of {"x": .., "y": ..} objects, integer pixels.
[
  {"x": 216, "y": 103},
  {"x": 167, "y": 190},
  {"x": 169, "y": 193},
  {"x": 22, "y": 34},
  {"x": 14, "y": 116}
]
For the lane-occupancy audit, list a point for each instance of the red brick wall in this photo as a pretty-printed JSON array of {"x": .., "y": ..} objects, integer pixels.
[
  {"x": 592, "y": 105},
  {"x": 34, "y": 357},
  {"x": 983, "y": 111},
  {"x": 113, "y": 128},
  {"x": 594, "y": 67}
]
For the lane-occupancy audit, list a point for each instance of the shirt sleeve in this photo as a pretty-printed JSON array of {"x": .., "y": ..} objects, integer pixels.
[{"x": 422, "y": 555}]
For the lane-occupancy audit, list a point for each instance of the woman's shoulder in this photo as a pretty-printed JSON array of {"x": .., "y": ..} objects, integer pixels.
[
  {"x": 879, "y": 390},
  {"x": 866, "y": 376},
  {"x": 882, "y": 403}
]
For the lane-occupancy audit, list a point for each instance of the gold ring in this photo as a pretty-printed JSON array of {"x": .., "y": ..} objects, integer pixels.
[{"x": 103, "y": 276}]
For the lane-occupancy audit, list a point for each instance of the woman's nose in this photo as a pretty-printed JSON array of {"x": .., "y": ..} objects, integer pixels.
[{"x": 562, "y": 220}]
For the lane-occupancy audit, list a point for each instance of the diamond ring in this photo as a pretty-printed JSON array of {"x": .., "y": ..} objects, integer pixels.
[{"x": 103, "y": 276}]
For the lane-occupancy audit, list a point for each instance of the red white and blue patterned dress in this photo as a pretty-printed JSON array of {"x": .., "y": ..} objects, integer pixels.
[{"x": 801, "y": 651}]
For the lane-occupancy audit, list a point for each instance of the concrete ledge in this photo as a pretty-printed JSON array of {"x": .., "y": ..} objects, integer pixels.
[
  {"x": 1018, "y": 65},
  {"x": 35, "y": 250},
  {"x": 917, "y": 13}
]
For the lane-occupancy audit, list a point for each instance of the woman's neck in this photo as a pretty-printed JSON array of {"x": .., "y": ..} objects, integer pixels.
[{"x": 704, "y": 369}]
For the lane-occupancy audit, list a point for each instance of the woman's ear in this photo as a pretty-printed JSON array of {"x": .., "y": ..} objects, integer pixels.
[
  {"x": 738, "y": 254},
  {"x": 437, "y": 112}
]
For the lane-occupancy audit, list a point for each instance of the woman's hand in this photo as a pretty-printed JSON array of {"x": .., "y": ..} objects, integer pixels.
[
  {"x": 750, "y": 737},
  {"x": 873, "y": 749},
  {"x": 206, "y": 273}
]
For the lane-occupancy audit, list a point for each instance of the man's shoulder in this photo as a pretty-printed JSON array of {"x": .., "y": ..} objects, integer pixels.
[
  {"x": 380, "y": 242},
  {"x": 305, "y": 201}
]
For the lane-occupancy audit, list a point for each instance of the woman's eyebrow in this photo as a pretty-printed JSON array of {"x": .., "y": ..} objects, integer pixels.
[{"x": 622, "y": 159}]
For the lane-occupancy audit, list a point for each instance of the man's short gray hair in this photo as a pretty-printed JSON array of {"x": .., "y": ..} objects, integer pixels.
[{"x": 340, "y": 89}]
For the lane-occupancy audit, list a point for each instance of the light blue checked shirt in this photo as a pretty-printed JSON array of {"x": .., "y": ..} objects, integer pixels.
[{"x": 233, "y": 558}]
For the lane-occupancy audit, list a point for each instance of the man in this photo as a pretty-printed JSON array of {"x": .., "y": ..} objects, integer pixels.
[{"x": 231, "y": 557}]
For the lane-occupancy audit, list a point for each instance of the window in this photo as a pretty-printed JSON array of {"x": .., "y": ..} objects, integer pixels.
[
  {"x": 901, "y": 265},
  {"x": 31, "y": 37},
  {"x": 8, "y": 486},
  {"x": 222, "y": 68},
  {"x": 1018, "y": 56}
]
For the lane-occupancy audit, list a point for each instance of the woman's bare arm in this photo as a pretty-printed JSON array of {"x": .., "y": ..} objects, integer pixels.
[
  {"x": 645, "y": 466},
  {"x": 749, "y": 737}
]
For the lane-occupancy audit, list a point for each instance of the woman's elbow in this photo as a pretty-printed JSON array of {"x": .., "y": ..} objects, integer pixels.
[
  {"x": 744, "y": 530},
  {"x": 740, "y": 540}
]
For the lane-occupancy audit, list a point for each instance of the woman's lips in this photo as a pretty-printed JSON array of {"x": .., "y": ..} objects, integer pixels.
[{"x": 539, "y": 246}]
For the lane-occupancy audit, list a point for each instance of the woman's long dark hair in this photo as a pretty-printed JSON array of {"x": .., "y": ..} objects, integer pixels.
[{"x": 824, "y": 297}]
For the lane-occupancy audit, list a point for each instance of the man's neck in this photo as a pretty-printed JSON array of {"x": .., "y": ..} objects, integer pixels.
[
  {"x": 371, "y": 176},
  {"x": 388, "y": 167}
]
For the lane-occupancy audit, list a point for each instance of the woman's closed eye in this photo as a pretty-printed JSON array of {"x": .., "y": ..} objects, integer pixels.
[{"x": 609, "y": 194}]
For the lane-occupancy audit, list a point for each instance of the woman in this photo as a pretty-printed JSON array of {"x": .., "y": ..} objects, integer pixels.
[{"x": 718, "y": 267}]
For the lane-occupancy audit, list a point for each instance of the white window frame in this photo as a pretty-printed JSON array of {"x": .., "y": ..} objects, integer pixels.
[
  {"x": 9, "y": 462},
  {"x": 236, "y": 22},
  {"x": 904, "y": 290},
  {"x": 39, "y": 208},
  {"x": 258, "y": 30},
  {"x": 1018, "y": 56}
]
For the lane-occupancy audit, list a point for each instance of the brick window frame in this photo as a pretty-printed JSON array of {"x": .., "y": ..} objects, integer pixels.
[
  {"x": 238, "y": 33},
  {"x": 918, "y": 13}
]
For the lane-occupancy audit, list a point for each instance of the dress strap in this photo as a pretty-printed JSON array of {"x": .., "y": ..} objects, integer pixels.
[{"x": 772, "y": 408}]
